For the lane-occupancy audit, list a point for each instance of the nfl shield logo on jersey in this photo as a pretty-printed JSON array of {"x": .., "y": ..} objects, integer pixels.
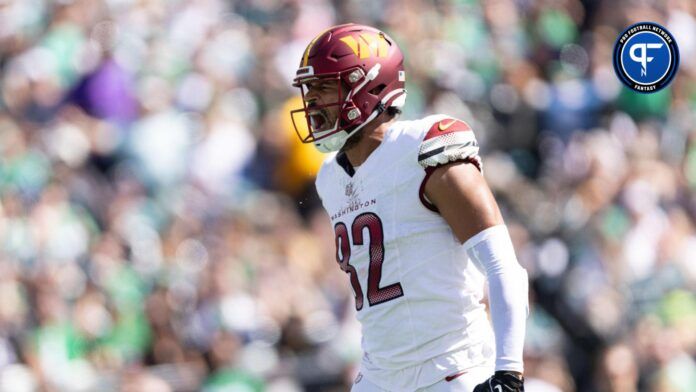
[{"x": 350, "y": 190}]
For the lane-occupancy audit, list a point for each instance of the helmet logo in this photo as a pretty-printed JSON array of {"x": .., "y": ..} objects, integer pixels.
[{"x": 367, "y": 44}]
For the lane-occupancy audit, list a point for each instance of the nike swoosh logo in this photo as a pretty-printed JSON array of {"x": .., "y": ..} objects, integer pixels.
[{"x": 443, "y": 127}]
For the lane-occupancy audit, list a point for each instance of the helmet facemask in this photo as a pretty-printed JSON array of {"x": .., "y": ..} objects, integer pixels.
[{"x": 329, "y": 132}]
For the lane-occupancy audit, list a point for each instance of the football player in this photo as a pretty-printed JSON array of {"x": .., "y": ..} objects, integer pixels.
[{"x": 417, "y": 229}]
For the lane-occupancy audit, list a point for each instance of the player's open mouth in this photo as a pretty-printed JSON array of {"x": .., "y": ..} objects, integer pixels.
[{"x": 318, "y": 119}]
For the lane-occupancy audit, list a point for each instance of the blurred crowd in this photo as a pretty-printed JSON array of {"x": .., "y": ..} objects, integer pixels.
[{"x": 159, "y": 228}]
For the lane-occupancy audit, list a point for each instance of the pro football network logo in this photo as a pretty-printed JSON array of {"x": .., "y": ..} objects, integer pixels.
[{"x": 646, "y": 57}]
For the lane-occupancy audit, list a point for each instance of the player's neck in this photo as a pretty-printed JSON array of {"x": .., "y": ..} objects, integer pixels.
[{"x": 359, "y": 153}]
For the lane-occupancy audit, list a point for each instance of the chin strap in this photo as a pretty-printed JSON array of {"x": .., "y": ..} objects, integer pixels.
[
  {"x": 326, "y": 145},
  {"x": 379, "y": 109},
  {"x": 375, "y": 113}
]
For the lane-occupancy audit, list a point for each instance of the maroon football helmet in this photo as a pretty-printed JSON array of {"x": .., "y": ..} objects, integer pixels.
[{"x": 367, "y": 67}]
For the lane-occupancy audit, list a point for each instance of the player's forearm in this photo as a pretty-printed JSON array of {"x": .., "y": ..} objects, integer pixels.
[
  {"x": 508, "y": 301},
  {"x": 494, "y": 254}
]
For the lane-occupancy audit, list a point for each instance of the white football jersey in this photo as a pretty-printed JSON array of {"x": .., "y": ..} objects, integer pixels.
[{"x": 417, "y": 294}]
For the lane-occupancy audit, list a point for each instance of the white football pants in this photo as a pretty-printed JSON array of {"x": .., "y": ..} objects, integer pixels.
[{"x": 464, "y": 383}]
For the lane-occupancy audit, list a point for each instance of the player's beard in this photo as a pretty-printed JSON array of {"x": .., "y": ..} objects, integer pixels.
[{"x": 354, "y": 139}]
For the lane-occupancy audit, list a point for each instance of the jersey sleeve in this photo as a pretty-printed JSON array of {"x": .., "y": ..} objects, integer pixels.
[{"x": 449, "y": 140}]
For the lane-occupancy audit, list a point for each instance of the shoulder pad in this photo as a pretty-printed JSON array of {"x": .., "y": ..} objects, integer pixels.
[{"x": 448, "y": 140}]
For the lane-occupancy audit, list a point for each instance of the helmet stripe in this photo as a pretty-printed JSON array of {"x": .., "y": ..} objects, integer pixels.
[{"x": 305, "y": 57}]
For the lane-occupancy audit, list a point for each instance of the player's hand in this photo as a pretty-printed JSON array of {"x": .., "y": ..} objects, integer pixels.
[{"x": 502, "y": 381}]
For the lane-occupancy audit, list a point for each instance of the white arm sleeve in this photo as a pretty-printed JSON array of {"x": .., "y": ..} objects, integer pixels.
[{"x": 492, "y": 252}]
